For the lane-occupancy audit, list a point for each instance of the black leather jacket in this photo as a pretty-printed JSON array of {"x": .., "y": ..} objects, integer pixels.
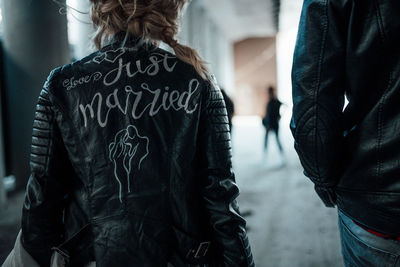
[
  {"x": 131, "y": 165},
  {"x": 351, "y": 48}
]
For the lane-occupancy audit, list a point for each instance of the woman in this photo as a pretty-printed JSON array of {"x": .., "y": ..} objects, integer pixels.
[{"x": 131, "y": 161}]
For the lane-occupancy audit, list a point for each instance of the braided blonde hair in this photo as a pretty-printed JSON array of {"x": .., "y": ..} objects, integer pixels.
[{"x": 153, "y": 20}]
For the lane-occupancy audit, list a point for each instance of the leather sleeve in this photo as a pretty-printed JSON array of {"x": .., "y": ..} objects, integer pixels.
[
  {"x": 318, "y": 83},
  {"x": 42, "y": 223},
  {"x": 219, "y": 190}
]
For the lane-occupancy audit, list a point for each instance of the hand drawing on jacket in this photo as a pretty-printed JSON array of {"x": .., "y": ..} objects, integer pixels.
[{"x": 127, "y": 152}]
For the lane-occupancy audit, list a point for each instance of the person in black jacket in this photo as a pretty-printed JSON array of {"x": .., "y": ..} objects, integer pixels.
[
  {"x": 351, "y": 152},
  {"x": 272, "y": 118},
  {"x": 131, "y": 154}
]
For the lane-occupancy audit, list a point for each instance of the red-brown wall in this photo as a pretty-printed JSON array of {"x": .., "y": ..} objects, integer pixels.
[{"x": 255, "y": 70}]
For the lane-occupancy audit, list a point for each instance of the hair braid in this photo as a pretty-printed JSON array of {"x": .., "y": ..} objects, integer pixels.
[{"x": 154, "y": 20}]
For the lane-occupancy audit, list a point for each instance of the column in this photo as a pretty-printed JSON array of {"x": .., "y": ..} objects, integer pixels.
[
  {"x": 2, "y": 160},
  {"x": 35, "y": 42},
  {"x": 80, "y": 28}
]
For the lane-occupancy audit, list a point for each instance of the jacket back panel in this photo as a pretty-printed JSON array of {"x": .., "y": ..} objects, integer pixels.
[{"x": 129, "y": 119}]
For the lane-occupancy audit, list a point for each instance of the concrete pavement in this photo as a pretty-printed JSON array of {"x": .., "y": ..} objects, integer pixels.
[
  {"x": 288, "y": 224},
  {"x": 10, "y": 223}
]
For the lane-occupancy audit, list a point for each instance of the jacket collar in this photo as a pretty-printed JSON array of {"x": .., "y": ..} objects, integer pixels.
[{"x": 124, "y": 39}]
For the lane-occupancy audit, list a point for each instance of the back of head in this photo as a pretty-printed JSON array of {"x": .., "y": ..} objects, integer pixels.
[{"x": 152, "y": 20}]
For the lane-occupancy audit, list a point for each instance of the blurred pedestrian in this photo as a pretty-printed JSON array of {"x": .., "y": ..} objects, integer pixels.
[
  {"x": 352, "y": 155},
  {"x": 131, "y": 160},
  {"x": 272, "y": 118}
]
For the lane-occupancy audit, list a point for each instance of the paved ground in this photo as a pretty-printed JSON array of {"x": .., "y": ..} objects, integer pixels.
[
  {"x": 10, "y": 224},
  {"x": 288, "y": 225}
]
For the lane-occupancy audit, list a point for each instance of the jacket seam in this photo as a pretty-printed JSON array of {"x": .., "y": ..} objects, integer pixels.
[
  {"x": 318, "y": 84},
  {"x": 244, "y": 250},
  {"x": 50, "y": 139},
  {"x": 367, "y": 192},
  {"x": 382, "y": 36},
  {"x": 378, "y": 14},
  {"x": 380, "y": 124},
  {"x": 170, "y": 169}
]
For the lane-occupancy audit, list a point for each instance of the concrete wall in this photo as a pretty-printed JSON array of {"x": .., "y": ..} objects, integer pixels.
[
  {"x": 201, "y": 32},
  {"x": 80, "y": 28},
  {"x": 286, "y": 40},
  {"x": 2, "y": 153},
  {"x": 255, "y": 70},
  {"x": 1, "y": 19},
  {"x": 35, "y": 42}
]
